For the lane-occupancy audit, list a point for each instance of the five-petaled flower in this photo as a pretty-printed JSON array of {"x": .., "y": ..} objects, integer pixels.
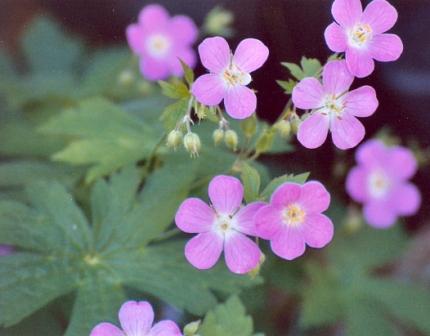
[
  {"x": 222, "y": 226},
  {"x": 333, "y": 107},
  {"x": 160, "y": 41},
  {"x": 360, "y": 34},
  {"x": 136, "y": 319},
  {"x": 229, "y": 75},
  {"x": 294, "y": 218},
  {"x": 380, "y": 182}
]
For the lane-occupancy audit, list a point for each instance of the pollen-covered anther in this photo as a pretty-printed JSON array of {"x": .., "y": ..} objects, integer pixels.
[{"x": 293, "y": 215}]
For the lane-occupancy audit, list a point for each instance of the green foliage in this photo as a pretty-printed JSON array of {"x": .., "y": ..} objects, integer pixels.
[
  {"x": 276, "y": 182},
  {"x": 309, "y": 67},
  {"x": 251, "y": 182}
]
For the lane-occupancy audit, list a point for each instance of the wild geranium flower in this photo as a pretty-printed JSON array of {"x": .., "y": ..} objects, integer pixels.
[
  {"x": 6, "y": 250},
  {"x": 333, "y": 107},
  {"x": 136, "y": 319},
  {"x": 160, "y": 41},
  {"x": 221, "y": 226},
  {"x": 380, "y": 182},
  {"x": 229, "y": 75},
  {"x": 294, "y": 218},
  {"x": 360, "y": 34}
]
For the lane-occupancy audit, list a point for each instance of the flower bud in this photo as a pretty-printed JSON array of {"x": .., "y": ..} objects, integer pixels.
[
  {"x": 174, "y": 139},
  {"x": 218, "y": 22},
  {"x": 295, "y": 123},
  {"x": 256, "y": 271},
  {"x": 284, "y": 128},
  {"x": 126, "y": 77},
  {"x": 218, "y": 136},
  {"x": 231, "y": 140},
  {"x": 191, "y": 328},
  {"x": 192, "y": 143}
]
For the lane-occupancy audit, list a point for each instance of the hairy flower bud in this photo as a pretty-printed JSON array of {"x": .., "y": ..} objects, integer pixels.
[
  {"x": 218, "y": 136},
  {"x": 284, "y": 128},
  {"x": 231, "y": 140},
  {"x": 192, "y": 143},
  {"x": 191, "y": 328},
  {"x": 174, "y": 139}
]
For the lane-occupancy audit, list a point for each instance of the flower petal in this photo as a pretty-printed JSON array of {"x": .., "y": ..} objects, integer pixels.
[
  {"x": 379, "y": 214},
  {"x": 106, "y": 329},
  {"x": 336, "y": 77},
  {"x": 153, "y": 69},
  {"x": 370, "y": 153},
  {"x": 401, "y": 162},
  {"x": 407, "y": 199},
  {"x": 6, "y": 250},
  {"x": 356, "y": 184},
  {"x": 136, "y": 317},
  {"x": 135, "y": 39},
  {"x": 204, "y": 250},
  {"x": 359, "y": 62},
  {"x": 314, "y": 197},
  {"x": 347, "y": 131},
  {"x": 318, "y": 230},
  {"x": 183, "y": 30},
  {"x": 245, "y": 218},
  {"x": 214, "y": 53},
  {"x": 208, "y": 89},
  {"x": 386, "y": 47},
  {"x": 187, "y": 55},
  {"x": 241, "y": 254},
  {"x": 268, "y": 221},
  {"x": 286, "y": 194},
  {"x": 240, "y": 102},
  {"x": 308, "y": 94},
  {"x": 165, "y": 328},
  {"x": 289, "y": 243},
  {"x": 250, "y": 54},
  {"x": 313, "y": 130},
  {"x": 194, "y": 216},
  {"x": 361, "y": 102},
  {"x": 380, "y": 15},
  {"x": 346, "y": 12},
  {"x": 153, "y": 17},
  {"x": 335, "y": 38},
  {"x": 226, "y": 194}
]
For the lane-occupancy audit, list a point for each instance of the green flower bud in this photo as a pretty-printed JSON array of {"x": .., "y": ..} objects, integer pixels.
[
  {"x": 218, "y": 136},
  {"x": 295, "y": 123},
  {"x": 218, "y": 22},
  {"x": 126, "y": 77},
  {"x": 192, "y": 143},
  {"x": 174, "y": 139},
  {"x": 191, "y": 328},
  {"x": 231, "y": 140},
  {"x": 284, "y": 128}
]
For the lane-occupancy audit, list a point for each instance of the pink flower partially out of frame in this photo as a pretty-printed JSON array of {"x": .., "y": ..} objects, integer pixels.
[
  {"x": 333, "y": 107},
  {"x": 222, "y": 226},
  {"x": 229, "y": 75},
  {"x": 380, "y": 182},
  {"x": 136, "y": 319},
  {"x": 6, "y": 250},
  {"x": 160, "y": 41},
  {"x": 360, "y": 34},
  {"x": 294, "y": 219}
]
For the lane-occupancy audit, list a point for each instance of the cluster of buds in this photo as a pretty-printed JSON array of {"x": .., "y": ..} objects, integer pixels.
[
  {"x": 288, "y": 125},
  {"x": 223, "y": 132},
  {"x": 191, "y": 141}
]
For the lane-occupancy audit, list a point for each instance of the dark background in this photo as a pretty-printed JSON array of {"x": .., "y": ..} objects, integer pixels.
[{"x": 291, "y": 28}]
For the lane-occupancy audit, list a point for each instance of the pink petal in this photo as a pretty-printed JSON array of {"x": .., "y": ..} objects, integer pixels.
[
  {"x": 379, "y": 214},
  {"x": 153, "y": 17},
  {"x": 286, "y": 194},
  {"x": 347, "y": 131},
  {"x": 308, "y": 94},
  {"x": 204, "y": 250},
  {"x": 386, "y": 47},
  {"x": 336, "y": 77},
  {"x": 6, "y": 250},
  {"x": 313, "y": 130},
  {"x": 402, "y": 162},
  {"x": 208, "y": 89},
  {"x": 135, "y": 39},
  {"x": 361, "y": 102},
  {"x": 250, "y": 54},
  {"x": 226, "y": 194},
  {"x": 241, "y": 254},
  {"x": 360, "y": 62},
  {"x": 370, "y": 153},
  {"x": 183, "y": 30},
  {"x": 153, "y": 69},
  {"x": 380, "y": 15},
  {"x": 268, "y": 221},
  {"x": 245, "y": 218},
  {"x": 346, "y": 12},
  {"x": 318, "y": 230},
  {"x": 187, "y": 55},
  {"x": 314, "y": 197},
  {"x": 356, "y": 184},
  {"x": 240, "y": 102},
  {"x": 106, "y": 329},
  {"x": 335, "y": 38},
  {"x": 165, "y": 328},
  {"x": 194, "y": 216},
  {"x": 407, "y": 199},
  {"x": 136, "y": 317},
  {"x": 289, "y": 243},
  {"x": 214, "y": 53}
]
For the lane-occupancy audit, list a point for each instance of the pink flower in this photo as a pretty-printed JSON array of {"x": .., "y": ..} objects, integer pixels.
[
  {"x": 360, "y": 34},
  {"x": 333, "y": 107},
  {"x": 229, "y": 75},
  {"x": 160, "y": 41},
  {"x": 380, "y": 182},
  {"x": 222, "y": 226},
  {"x": 136, "y": 319},
  {"x": 293, "y": 219},
  {"x": 6, "y": 250}
]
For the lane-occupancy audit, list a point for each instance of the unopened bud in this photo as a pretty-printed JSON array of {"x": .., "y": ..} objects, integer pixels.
[
  {"x": 295, "y": 123},
  {"x": 354, "y": 220},
  {"x": 191, "y": 328},
  {"x": 218, "y": 136},
  {"x": 201, "y": 112},
  {"x": 174, "y": 139},
  {"x": 231, "y": 140},
  {"x": 256, "y": 271},
  {"x": 284, "y": 128},
  {"x": 218, "y": 22},
  {"x": 192, "y": 143},
  {"x": 126, "y": 77}
]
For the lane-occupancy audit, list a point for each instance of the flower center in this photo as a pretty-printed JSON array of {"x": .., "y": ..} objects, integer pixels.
[
  {"x": 233, "y": 76},
  {"x": 332, "y": 106},
  {"x": 223, "y": 224},
  {"x": 359, "y": 35},
  {"x": 158, "y": 45},
  {"x": 293, "y": 215},
  {"x": 378, "y": 184}
]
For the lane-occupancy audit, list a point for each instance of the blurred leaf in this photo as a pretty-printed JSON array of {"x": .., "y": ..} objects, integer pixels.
[
  {"x": 277, "y": 181},
  {"x": 188, "y": 72},
  {"x": 175, "y": 89},
  {"x": 311, "y": 67},
  {"x": 249, "y": 126},
  {"x": 251, "y": 182},
  {"x": 288, "y": 86},
  {"x": 295, "y": 70},
  {"x": 174, "y": 113}
]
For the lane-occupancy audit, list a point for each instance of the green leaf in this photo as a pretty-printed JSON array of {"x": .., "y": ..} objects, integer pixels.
[
  {"x": 295, "y": 70},
  {"x": 175, "y": 89},
  {"x": 249, "y": 126},
  {"x": 188, "y": 72},
  {"x": 276, "y": 182},
  {"x": 288, "y": 86},
  {"x": 311, "y": 67},
  {"x": 173, "y": 113},
  {"x": 251, "y": 182}
]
